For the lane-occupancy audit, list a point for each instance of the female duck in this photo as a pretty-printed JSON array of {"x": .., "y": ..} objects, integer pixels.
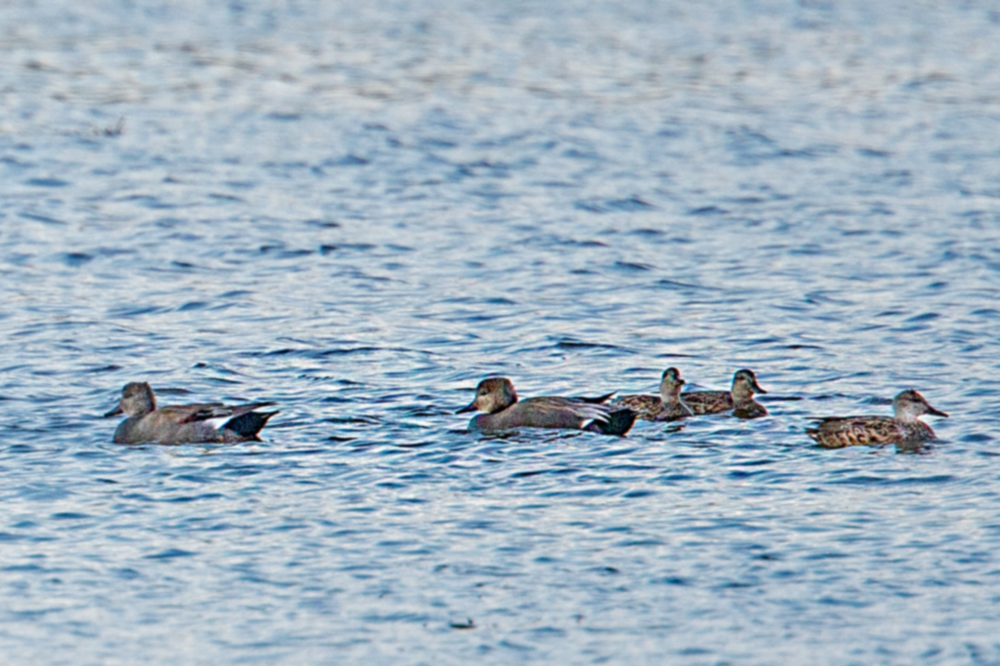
[
  {"x": 668, "y": 406},
  {"x": 835, "y": 432},
  {"x": 740, "y": 400}
]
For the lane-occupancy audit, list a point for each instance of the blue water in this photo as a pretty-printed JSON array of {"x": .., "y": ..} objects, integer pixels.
[{"x": 359, "y": 210}]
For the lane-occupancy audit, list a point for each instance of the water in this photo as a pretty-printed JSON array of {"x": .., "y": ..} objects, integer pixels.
[{"x": 360, "y": 211}]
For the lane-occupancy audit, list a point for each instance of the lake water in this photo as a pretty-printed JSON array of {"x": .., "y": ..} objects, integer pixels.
[{"x": 359, "y": 210}]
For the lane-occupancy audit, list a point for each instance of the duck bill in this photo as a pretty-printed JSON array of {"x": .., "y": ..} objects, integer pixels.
[
  {"x": 114, "y": 412},
  {"x": 935, "y": 412},
  {"x": 756, "y": 387},
  {"x": 468, "y": 408}
]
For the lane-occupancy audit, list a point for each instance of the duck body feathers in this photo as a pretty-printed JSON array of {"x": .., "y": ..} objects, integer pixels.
[
  {"x": 709, "y": 402},
  {"x": 739, "y": 400},
  {"x": 555, "y": 412},
  {"x": 503, "y": 411},
  {"x": 837, "y": 432},
  {"x": 189, "y": 424},
  {"x": 668, "y": 406},
  {"x": 652, "y": 408}
]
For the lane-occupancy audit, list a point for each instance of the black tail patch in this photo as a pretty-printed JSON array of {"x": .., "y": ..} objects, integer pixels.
[
  {"x": 248, "y": 424},
  {"x": 619, "y": 422}
]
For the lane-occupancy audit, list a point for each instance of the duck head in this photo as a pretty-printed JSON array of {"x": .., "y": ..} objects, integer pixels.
[
  {"x": 909, "y": 404},
  {"x": 671, "y": 384},
  {"x": 745, "y": 384},
  {"x": 493, "y": 395},
  {"x": 137, "y": 400}
]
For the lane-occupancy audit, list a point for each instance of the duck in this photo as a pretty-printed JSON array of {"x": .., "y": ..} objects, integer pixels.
[
  {"x": 184, "y": 424},
  {"x": 497, "y": 398},
  {"x": 836, "y": 432},
  {"x": 739, "y": 400},
  {"x": 668, "y": 406}
]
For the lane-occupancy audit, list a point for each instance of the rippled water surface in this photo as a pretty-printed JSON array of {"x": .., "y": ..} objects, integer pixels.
[{"x": 358, "y": 210}]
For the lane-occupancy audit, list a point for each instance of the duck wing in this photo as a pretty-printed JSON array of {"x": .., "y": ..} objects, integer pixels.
[
  {"x": 216, "y": 413},
  {"x": 556, "y": 412},
  {"x": 708, "y": 402},
  {"x": 836, "y": 432},
  {"x": 646, "y": 406}
]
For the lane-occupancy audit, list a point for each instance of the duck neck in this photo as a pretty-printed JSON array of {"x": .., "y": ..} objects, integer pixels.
[{"x": 742, "y": 394}]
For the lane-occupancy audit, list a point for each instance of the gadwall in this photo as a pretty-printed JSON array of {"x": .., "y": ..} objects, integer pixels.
[
  {"x": 836, "y": 432},
  {"x": 184, "y": 424},
  {"x": 668, "y": 406},
  {"x": 739, "y": 401},
  {"x": 496, "y": 397}
]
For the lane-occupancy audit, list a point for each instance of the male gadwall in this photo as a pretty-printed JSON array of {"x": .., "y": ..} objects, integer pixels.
[
  {"x": 668, "y": 406},
  {"x": 836, "y": 432},
  {"x": 184, "y": 424},
  {"x": 740, "y": 400},
  {"x": 496, "y": 397}
]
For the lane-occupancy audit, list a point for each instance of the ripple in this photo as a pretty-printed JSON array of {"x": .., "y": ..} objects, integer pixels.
[{"x": 359, "y": 210}]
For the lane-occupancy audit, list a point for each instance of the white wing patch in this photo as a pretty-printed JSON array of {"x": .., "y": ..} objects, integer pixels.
[
  {"x": 218, "y": 422},
  {"x": 591, "y": 413}
]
